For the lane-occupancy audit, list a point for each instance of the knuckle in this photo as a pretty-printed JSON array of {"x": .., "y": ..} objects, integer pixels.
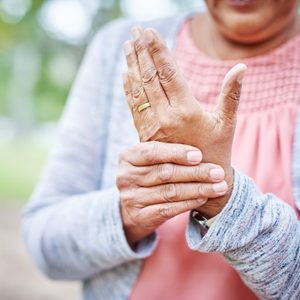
[
  {"x": 126, "y": 87},
  {"x": 169, "y": 192},
  {"x": 167, "y": 125},
  {"x": 186, "y": 116},
  {"x": 167, "y": 72},
  {"x": 154, "y": 148},
  {"x": 155, "y": 47},
  {"x": 137, "y": 91},
  {"x": 178, "y": 151},
  {"x": 131, "y": 58},
  {"x": 127, "y": 91},
  {"x": 126, "y": 199},
  {"x": 123, "y": 156},
  {"x": 190, "y": 204},
  {"x": 149, "y": 75},
  {"x": 166, "y": 211},
  {"x": 150, "y": 152},
  {"x": 203, "y": 190},
  {"x": 186, "y": 205},
  {"x": 165, "y": 172},
  {"x": 233, "y": 96},
  {"x": 129, "y": 199},
  {"x": 201, "y": 173},
  {"x": 139, "y": 46},
  {"x": 122, "y": 180}
]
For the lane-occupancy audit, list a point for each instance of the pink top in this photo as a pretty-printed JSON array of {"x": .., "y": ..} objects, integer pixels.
[{"x": 262, "y": 149}]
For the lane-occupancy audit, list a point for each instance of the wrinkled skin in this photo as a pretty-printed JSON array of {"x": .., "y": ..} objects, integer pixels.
[
  {"x": 158, "y": 181},
  {"x": 175, "y": 116},
  {"x": 225, "y": 32}
]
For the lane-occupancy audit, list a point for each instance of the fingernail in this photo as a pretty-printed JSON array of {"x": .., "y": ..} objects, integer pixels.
[
  {"x": 241, "y": 75},
  {"x": 236, "y": 73},
  {"x": 194, "y": 156},
  {"x": 148, "y": 36},
  {"x": 127, "y": 47},
  {"x": 216, "y": 174},
  {"x": 136, "y": 33},
  {"x": 220, "y": 187}
]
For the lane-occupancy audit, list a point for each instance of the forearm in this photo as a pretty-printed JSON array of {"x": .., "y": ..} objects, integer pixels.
[
  {"x": 80, "y": 236},
  {"x": 72, "y": 229},
  {"x": 260, "y": 237}
]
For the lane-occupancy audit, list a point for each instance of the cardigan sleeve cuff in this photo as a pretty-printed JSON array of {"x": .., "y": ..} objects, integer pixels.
[
  {"x": 224, "y": 231},
  {"x": 117, "y": 237}
]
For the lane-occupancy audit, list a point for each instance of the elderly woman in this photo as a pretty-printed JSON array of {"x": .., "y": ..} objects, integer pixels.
[{"x": 134, "y": 239}]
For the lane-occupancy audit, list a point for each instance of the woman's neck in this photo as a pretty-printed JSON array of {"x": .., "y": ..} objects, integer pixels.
[{"x": 215, "y": 45}]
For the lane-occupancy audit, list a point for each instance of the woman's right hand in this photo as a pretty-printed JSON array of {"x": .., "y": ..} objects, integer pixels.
[{"x": 158, "y": 181}]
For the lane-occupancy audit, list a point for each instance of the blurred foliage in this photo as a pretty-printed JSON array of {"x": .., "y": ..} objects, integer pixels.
[
  {"x": 20, "y": 163},
  {"x": 48, "y": 95}
]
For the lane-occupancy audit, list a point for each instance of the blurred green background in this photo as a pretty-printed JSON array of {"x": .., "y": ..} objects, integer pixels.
[{"x": 41, "y": 45}]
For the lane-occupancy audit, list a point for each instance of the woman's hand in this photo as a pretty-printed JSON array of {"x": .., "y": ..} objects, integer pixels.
[
  {"x": 158, "y": 181},
  {"x": 174, "y": 114}
]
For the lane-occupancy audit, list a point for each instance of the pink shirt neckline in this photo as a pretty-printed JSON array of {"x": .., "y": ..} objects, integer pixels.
[{"x": 260, "y": 58}]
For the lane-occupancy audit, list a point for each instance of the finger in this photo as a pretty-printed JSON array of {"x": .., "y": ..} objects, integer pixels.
[
  {"x": 152, "y": 153},
  {"x": 161, "y": 212},
  {"x": 148, "y": 74},
  {"x": 131, "y": 59},
  {"x": 138, "y": 94},
  {"x": 171, "y": 79},
  {"x": 174, "y": 192},
  {"x": 230, "y": 93},
  {"x": 127, "y": 90},
  {"x": 130, "y": 54},
  {"x": 172, "y": 173}
]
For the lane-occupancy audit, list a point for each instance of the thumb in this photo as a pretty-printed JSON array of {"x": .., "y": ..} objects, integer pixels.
[{"x": 230, "y": 93}]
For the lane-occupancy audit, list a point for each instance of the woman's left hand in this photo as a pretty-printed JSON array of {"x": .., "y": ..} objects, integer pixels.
[{"x": 171, "y": 113}]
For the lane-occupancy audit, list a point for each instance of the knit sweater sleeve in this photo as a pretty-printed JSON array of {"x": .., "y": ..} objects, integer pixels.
[
  {"x": 259, "y": 236},
  {"x": 71, "y": 226}
]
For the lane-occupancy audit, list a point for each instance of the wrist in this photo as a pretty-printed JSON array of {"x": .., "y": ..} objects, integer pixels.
[
  {"x": 133, "y": 233},
  {"x": 215, "y": 205}
]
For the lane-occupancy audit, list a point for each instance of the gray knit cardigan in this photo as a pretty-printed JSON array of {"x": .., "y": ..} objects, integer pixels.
[{"x": 72, "y": 225}]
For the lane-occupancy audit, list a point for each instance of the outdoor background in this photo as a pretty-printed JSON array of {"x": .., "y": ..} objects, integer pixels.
[{"x": 41, "y": 46}]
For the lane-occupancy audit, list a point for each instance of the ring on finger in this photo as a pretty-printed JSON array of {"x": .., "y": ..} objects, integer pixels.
[{"x": 143, "y": 106}]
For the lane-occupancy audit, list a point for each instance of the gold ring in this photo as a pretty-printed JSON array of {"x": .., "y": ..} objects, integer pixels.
[{"x": 143, "y": 106}]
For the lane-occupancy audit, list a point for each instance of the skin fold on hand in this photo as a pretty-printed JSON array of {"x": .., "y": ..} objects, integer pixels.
[{"x": 175, "y": 116}]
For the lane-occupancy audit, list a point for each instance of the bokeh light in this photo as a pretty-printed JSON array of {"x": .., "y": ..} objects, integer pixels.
[
  {"x": 66, "y": 19},
  {"x": 12, "y": 11}
]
